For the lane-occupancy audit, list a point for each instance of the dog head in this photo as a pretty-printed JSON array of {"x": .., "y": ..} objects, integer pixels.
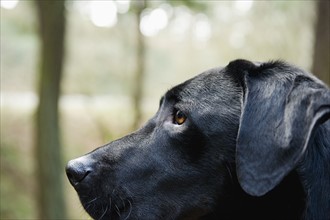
[{"x": 179, "y": 163}]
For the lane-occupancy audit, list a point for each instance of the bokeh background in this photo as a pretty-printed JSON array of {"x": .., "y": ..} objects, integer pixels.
[{"x": 62, "y": 98}]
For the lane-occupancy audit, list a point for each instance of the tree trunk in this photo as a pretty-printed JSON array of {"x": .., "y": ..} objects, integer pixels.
[
  {"x": 321, "y": 59},
  {"x": 49, "y": 166},
  {"x": 140, "y": 65}
]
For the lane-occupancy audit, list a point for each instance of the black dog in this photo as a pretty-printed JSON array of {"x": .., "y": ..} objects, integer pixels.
[{"x": 248, "y": 141}]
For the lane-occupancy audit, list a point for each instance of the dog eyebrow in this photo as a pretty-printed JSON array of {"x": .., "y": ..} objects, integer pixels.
[
  {"x": 173, "y": 94},
  {"x": 170, "y": 96}
]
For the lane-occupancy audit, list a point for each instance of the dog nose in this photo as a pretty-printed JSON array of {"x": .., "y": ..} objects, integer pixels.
[{"x": 77, "y": 170}]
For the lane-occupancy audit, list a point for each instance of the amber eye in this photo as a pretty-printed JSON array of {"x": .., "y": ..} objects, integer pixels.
[{"x": 179, "y": 118}]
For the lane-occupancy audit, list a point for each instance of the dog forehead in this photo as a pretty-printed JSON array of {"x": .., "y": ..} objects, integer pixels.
[{"x": 205, "y": 87}]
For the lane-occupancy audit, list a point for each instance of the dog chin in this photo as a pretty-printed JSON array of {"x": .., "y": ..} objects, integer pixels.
[{"x": 111, "y": 206}]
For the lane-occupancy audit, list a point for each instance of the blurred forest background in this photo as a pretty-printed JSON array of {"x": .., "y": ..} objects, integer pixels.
[{"x": 78, "y": 74}]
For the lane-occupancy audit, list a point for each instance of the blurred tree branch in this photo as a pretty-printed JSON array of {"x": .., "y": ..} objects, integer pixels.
[
  {"x": 49, "y": 166},
  {"x": 139, "y": 6},
  {"x": 321, "y": 59}
]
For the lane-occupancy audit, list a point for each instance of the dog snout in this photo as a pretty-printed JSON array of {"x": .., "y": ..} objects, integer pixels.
[{"x": 78, "y": 169}]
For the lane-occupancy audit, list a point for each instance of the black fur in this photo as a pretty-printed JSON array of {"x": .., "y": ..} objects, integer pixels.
[{"x": 255, "y": 145}]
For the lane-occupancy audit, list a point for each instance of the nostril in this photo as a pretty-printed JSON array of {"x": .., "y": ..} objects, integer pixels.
[
  {"x": 76, "y": 172},
  {"x": 76, "y": 177}
]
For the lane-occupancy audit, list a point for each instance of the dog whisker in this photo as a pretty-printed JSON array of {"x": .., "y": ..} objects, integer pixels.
[
  {"x": 123, "y": 202},
  {"x": 110, "y": 202},
  {"x": 229, "y": 172},
  {"x": 130, "y": 209},
  {"x": 117, "y": 210},
  {"x": 88, "y": 207},
  {"x": 93, "y": 200},
  {"x": 106, "y": 210}
]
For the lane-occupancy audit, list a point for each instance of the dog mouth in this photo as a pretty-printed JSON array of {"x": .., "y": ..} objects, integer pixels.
[{"x": 116, "y": 205}]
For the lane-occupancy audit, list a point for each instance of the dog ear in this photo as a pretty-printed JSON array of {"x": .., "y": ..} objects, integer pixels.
[{"x": 280, "y": 110}]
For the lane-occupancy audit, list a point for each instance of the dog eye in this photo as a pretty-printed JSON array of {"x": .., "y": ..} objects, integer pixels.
[{"x": 179, "y": 118}]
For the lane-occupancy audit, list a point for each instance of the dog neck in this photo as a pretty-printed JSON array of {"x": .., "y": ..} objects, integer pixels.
[{"x": 314, "y": 172}]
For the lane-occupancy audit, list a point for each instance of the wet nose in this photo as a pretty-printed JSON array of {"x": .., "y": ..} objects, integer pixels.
[{"x": 77, "y": 170}]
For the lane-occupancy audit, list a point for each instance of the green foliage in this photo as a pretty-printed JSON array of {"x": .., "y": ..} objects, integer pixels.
[
  {"x": 192, "y": 4},
  {"x": 16, "y": 194},
  {"x": 17, "y": 189}
]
